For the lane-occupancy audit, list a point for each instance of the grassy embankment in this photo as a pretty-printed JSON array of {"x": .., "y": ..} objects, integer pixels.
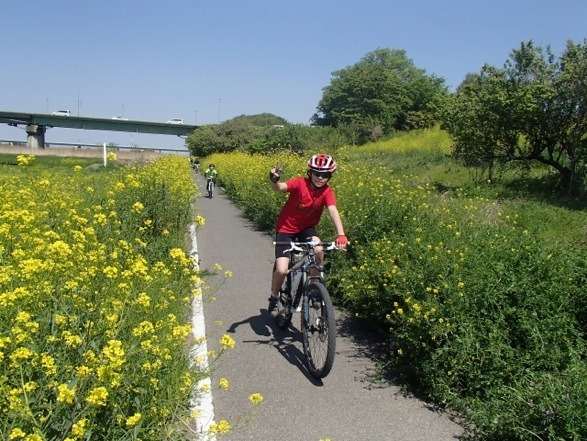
[{"x": 482, "y": 287}]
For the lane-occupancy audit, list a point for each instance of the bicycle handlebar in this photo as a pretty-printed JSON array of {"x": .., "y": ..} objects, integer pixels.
[{"x": 298, "y": 246}]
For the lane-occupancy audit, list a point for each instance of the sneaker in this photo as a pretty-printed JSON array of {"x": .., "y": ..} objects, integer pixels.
[{"x": 273, "y": 306}]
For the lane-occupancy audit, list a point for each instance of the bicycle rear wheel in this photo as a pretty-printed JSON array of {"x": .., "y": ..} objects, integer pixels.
[{"x": 318, "y": 330}]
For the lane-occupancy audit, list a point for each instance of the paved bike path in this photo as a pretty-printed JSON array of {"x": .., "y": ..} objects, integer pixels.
[{"x": 348, "y": 405}]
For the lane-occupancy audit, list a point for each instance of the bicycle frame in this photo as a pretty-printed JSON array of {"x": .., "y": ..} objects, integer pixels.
[
  {"x": 210, "y": 185},
  {"x": 302, "y": 261}
]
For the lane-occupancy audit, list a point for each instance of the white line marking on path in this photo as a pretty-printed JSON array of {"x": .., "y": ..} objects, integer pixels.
[{"x": 202, "y": 403}]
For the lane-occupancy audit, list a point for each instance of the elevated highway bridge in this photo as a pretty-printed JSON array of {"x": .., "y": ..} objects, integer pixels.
[{"x": 36, "y": 125}]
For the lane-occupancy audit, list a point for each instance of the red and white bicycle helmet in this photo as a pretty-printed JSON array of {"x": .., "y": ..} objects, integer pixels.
[{"x": 322, "y": 163}]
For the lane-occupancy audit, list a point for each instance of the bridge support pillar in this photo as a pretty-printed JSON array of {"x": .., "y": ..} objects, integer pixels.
[{"x": 35, "y": 136}]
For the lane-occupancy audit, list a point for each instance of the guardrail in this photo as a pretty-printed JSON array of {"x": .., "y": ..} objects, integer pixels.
[{"x": 78, "y": 145}]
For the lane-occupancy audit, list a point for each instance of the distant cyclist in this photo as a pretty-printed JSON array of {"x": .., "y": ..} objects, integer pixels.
[
  {"x": 210, "y": 174},
  {"x": 195, "y": 162},
  {"x": 308, "y": 197}
]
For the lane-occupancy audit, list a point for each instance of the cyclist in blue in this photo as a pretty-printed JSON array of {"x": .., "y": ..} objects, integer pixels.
[{"x": 308, "y": 197}]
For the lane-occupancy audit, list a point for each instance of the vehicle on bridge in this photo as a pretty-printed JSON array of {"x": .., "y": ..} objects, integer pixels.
[
  {"x": 175, "y": 121},
  {"x": 62, "y": 113}
]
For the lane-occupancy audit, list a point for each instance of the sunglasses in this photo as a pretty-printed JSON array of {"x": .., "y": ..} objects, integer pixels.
[{"x": 325, "y": 175}]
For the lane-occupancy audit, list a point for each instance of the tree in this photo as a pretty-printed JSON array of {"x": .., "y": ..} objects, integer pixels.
[
  {"x": 234, "y": 134},
  {"x": 383, "y": 92},
  {"x": 263, "y": 133},
  {"x": 533, "y": 109},
  {"x": 477, "y": 116}
]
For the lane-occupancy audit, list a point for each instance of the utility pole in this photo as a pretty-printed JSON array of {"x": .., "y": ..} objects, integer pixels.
[{"x": 79, "y": 102}]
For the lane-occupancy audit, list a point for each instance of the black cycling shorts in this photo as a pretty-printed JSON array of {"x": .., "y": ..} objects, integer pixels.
[{"x": 303, "y": 236}]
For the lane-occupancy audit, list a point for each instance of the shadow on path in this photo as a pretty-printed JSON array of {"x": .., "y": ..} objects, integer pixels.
[{"x": 286, "y": 341}]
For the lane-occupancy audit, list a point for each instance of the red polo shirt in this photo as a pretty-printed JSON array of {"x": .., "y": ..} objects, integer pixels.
[{"x": 304, "y": 206}]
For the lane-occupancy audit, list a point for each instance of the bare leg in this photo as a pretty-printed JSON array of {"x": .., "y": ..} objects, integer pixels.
[
  {"x": 319, "y": 256},
  {"x": 281, "y": 266}
]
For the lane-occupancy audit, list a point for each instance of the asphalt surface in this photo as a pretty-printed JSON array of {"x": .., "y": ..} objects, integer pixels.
[{"x": 351, "y": 403}]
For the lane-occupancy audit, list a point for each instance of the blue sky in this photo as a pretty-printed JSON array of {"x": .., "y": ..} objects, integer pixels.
[{"x": 206, "y": 61}]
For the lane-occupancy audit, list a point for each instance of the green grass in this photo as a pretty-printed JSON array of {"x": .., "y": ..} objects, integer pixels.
[
  {"x": 423, "y": 157},
  {"x": 51, "y": 161}
]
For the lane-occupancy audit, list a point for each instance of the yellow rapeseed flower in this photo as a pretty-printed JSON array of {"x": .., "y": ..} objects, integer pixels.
[
  {"x": 16, "y": 433},
  {"x": 145, "y": 327},
  {"x": 114, "y": 352},
  {"x": 223, "y": 383},
  {"x": 22, "y": 317},
  {"x": 84, "y": 371},
  {"x": 98, "y": 396},
  {"x": 24, "y": 160},
  {"x": 143, "y": 300},
  {"x": 20, "y": 353},
  {"x": 111, "y": 272},
  {"x": 71, "y": 339},
  {"x": 79, "y": 429},
  {"x": 48, "y": 363},
  {"x": 179, "y": 255},
  {"x": 221, "y": 426},
  {"x": 256, "y": 398},
  {"x": 227, "y": 342},
  {"x": 138, "y": 207},
  {"x": 181, "y": 331},
  {"x": 65, "y": 394},
  {"x": 133, "y": 420}
]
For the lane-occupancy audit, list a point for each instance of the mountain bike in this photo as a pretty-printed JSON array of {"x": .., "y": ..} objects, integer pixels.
[
  {"x": 209, "y": 187},
  {"x": 302, "y": 291}
]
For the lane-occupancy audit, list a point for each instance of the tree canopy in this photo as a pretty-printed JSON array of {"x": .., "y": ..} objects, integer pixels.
[
  {"x": 263, "y": 133},
  {"x": 532, "y": 109},
  {"x": 382, "y": 93}
]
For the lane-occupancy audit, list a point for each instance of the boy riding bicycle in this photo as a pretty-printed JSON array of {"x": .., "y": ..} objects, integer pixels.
[
  {"x": 210, "y": 174},
  {"x": 308, "y": 196}
]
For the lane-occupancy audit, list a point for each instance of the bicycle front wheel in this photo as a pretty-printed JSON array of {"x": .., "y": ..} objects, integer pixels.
[{"x": 318, "y": 330}]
